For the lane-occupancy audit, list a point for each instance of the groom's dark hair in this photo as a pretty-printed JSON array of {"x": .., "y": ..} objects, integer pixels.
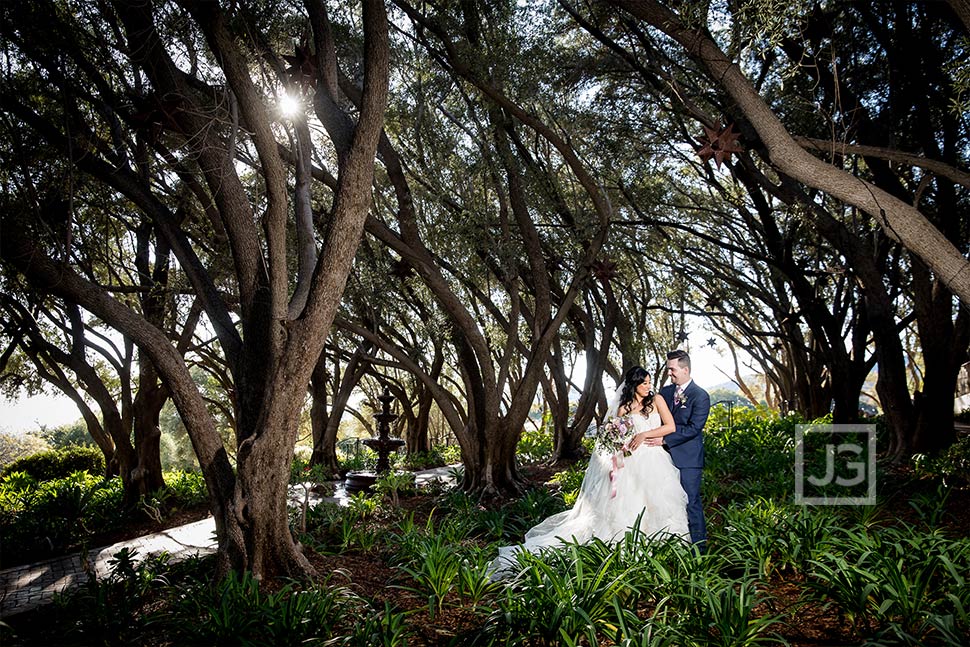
[{"x": 681, "y": 356}]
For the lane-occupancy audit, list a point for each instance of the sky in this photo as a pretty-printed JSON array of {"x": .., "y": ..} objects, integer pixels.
[{"x": 29, "y": 414}]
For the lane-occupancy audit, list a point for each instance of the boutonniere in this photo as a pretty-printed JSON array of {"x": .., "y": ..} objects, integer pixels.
[{"x": 680, "y": 401}]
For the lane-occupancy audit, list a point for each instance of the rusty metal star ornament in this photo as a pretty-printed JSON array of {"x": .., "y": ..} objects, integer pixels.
[
  {"x": 402, "y": 269},
  {"x": 303, "y": 66},
  {"x": 719, "y": 143},
  {"x": 604, "y": 270}
]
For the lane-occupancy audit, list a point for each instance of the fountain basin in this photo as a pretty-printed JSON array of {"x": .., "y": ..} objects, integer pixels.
[{"x": 359, "y": 481}]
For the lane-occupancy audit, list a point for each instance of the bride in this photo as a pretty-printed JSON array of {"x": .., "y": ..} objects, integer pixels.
[{"x": 611, "y": 499}]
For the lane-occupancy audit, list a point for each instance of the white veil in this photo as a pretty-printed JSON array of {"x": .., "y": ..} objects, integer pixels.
[{"x": 613, "y": 404}]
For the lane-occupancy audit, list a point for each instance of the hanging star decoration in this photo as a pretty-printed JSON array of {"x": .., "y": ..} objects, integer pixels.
[
  {"x": 604, "y": 270},
  {"x": 401, "y": 269},
  {"x": 711, "y": 342},
  {"x": 720, "y": 143},
  {"x": 681, "y": 336},
  {"x": 156, "y": 114},
  {"x": 303, "y": 65}
]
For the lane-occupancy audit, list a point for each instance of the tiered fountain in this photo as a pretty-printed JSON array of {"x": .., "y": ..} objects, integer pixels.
[{"x": 383, "y": 445}]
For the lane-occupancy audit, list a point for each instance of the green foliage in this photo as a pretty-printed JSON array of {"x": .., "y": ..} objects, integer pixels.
[
  {"x": 302, "y": 472},
  {"x": 565, "y": 595},
  {"x": 394, "y": 483},
  {"x": 73, "y": 434},
  {"x": 534, "y": 446},
  {"x": 331, "y": 528},
  {"x": 423, "y": 460},
  {"x": 150, "y": 600},
  {"x": 43, "y": 518},
  {"x": 507, "y": 523},
  {"x": 187, "y": 488},
  {"x": 952, "y": 466},
  {"x": 108, "y": 611},
  {"x": 386, "y": 628},
  {"x": 362, "y": 505},
  {"x": 752, "y": 457},
  {"x": 355, "y": 457},
  {"x": 450, "y": 454},
  {"x": 237, "y": 611},
  {"x": 58, "y": 463},
  {"x": 901, "y": 581},
  {"x": 569, "y": 481},
  {"x": 434, "y": 570},
  {"x": 323, "y": 527},
  {"x": 714, "y": 610},
  {"x": 771, "y": 536}
]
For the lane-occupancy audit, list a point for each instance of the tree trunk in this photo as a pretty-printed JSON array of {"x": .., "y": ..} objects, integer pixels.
[
  {"x": 570, "y": 446},
  {"x": 146, "y": 477},
  {"x": 556, "y": 391},
  {"x": 490, "y": 467},
  {"x": 324, "y": 437},
  {"x": 417, "y": 435},
  {"x": 944, "y": 344}
]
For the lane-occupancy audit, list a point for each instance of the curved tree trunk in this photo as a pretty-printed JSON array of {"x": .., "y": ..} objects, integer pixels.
[
  {"x": 556, "y": 388},
  {"x": 324, "y": 442},
  {"x": 325, "y": 421},
  {"x": 146, "y": 477},
  {"x": 944, "y": 344}
]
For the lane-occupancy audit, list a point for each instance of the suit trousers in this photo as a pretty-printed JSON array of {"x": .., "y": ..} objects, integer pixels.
[{"x": 690, "y": 479}]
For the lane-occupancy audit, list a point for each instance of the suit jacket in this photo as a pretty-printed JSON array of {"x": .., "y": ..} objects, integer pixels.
[{"x": 686, "y": 445}]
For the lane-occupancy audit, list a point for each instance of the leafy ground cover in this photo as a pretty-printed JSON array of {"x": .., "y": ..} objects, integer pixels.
[
  {"x": 416, "y": 573},
  {"x": 43, "y": 518}
]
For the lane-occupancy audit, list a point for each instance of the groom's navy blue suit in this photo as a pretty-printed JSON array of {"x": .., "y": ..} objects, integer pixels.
[{"x": 686, "y": 447}]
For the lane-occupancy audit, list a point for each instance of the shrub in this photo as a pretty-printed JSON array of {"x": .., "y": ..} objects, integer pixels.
[
  {"x": 187, "y": 488},
  {"x": 570, "y": 479},
  {"x": 450, "y": 454},
  {"x": 60, "y": 463},
  {"x": 393, "y": 483},
  {"x": 422, "y": 460},
  {"x": 354, "y": 456},
  {"x": 953, "y": 465},
  {"x": 42, "y": 518},
  {"x": 534, "y": 446}
]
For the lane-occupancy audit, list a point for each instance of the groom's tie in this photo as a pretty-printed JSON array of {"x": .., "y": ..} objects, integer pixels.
[{"x": 679, "y": 394}]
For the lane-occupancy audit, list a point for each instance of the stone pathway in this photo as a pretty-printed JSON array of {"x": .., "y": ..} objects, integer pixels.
[{"x": 23, "y": 588}]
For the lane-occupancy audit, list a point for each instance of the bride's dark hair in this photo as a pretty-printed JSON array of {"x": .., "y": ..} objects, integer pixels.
[{"x": 634, "y": 378}]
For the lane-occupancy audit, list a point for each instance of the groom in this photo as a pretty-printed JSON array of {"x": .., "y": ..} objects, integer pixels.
[{"x": 690, "y": 405}]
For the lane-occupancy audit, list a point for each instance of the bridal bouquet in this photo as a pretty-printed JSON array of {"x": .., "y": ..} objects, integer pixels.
[
  {"x": 612, "y": 438},
  {"x": 613, "y": 435}
]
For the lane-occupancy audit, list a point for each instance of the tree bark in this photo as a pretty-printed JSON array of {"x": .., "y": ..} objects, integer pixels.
[{"x": 944, "y": 344}]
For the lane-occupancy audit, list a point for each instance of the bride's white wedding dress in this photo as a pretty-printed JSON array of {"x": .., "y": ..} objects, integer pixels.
[{"x": 648, "y": 483}]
